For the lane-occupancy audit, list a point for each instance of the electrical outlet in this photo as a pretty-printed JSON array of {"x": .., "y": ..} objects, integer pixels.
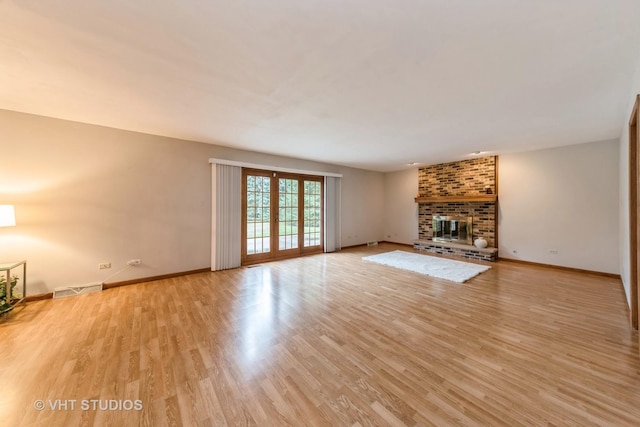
[
  {"x": 553, "y": 251},
  {"x": 133, "y": 262},
  {"x": 104, "y": 265}
]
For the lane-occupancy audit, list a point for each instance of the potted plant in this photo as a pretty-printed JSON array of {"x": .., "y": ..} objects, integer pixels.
[{"x": 4, "y": 304}]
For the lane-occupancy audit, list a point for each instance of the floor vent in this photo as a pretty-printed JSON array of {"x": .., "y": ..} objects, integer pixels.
[{"x": 71, "y": 291}]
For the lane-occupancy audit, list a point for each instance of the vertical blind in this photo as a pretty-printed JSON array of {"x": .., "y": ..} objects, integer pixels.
[
  {"x": 332, "y": 214},
  {"x": 226, "y": 214}
]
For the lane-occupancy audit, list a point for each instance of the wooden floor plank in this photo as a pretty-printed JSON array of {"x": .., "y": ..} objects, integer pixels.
[{"x": 330, "y": 340}]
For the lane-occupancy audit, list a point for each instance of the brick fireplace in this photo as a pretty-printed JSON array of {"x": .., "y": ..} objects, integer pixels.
[{"x": 460, "y": 189}]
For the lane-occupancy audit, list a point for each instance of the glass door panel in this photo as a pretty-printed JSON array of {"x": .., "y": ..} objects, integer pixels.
[
  {"x": 258, "y": 214},
  {"x": 287, "y": 214},
  {"x": 312, "y": 231}
]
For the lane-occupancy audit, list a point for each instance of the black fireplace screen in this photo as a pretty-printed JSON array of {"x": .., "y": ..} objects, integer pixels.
[{"x": 456, "y": 229}]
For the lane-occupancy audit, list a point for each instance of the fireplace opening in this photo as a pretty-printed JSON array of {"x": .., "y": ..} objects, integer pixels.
[{"x": 458, "y": 229}]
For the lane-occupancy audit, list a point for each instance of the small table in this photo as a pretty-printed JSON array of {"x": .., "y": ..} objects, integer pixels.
[{"x": 12, "y": 302}]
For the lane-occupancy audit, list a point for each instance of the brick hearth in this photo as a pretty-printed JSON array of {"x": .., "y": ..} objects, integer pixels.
[{"x": 456, "y": 250}]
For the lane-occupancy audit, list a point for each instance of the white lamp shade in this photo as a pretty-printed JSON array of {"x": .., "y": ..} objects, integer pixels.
[{"x": 7, "y": 216}]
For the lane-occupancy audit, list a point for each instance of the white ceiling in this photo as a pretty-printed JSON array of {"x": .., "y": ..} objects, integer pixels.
[{"x": 373, "y": 84}]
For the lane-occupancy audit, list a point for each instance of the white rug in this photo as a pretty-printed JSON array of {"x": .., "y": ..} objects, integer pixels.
[{"x": 456, "y": 271}]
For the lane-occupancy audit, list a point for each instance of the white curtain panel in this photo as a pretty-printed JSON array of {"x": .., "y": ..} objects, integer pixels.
[
  {"x": 332, "y": 228},
  {"x": 226, "y": 214}
]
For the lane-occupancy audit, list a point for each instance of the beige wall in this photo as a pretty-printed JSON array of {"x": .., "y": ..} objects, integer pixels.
[
  {"x": 87, "y": 194},
  {"x": 563, "y": 199},
  {"x": 401, "y": 211},
  {"x": 362, "y": 206}
]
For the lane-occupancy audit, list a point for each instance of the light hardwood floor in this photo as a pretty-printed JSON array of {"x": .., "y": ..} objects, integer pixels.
[{"x": 329, "y": 340}]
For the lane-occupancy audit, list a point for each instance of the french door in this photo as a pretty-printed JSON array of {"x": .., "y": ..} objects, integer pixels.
[{"x": 282, "y": 215}]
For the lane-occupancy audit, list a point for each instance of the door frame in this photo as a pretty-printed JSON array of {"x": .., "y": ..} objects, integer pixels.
[{"x": 634, "y": 230}]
